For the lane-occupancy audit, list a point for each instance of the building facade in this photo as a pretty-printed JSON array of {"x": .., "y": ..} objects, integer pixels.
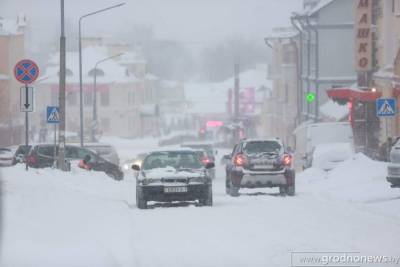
[
  {"x": 326, "y": 48},
  {"x": 12, "y": 49}
]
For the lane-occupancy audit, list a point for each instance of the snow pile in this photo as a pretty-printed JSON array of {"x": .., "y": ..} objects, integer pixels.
[
  {"x": 328, "y": 156},
  {"x": 52, "y": 218},
  {"x": 333, "y": 110},
  {"x": 359, "y": 179}
]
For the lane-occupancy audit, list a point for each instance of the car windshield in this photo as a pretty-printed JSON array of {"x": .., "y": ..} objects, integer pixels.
[
  {"x": 257, "y": 147},
  {"x": 175, "y": 159}
]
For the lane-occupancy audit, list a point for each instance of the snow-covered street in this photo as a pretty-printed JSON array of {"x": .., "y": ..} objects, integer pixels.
[{"x": 52, "y": 218}]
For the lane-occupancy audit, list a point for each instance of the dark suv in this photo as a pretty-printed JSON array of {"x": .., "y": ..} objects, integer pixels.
[
  {"x": 259, "y": 164},
  {"x": 42, "y": 156}
]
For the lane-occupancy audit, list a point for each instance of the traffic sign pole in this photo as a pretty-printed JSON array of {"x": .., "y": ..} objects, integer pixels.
[{"x": 26, "y": 134}]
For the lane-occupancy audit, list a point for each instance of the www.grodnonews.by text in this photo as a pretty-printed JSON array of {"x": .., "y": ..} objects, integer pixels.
[{"x": 343, "y": 259}]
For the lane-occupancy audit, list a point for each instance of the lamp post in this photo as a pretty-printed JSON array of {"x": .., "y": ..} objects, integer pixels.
[
  {"x": 80, "y": 64},
  {"x": 94, "y": 126}
]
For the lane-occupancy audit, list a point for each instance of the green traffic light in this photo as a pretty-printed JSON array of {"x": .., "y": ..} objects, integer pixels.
[{"x": 310, "y": 97}]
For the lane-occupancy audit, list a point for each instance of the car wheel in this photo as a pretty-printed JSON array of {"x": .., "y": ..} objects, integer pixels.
[
  {"x": 291, "y": 190},
  {"x": 233, "y": 191},
  {"x": 141, "y": 201},
  {"x": 227, "y": 185},
  {"x": 282, "y": 190},
  {"x": 208, "y": 197}
]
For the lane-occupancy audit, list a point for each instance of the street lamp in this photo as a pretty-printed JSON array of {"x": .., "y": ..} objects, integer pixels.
[
  {"x": 94, "y": 126},
  {"x": 80, "y": 64}
]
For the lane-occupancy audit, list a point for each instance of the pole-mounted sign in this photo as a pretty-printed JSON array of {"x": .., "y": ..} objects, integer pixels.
[{"x": 26, "y": 72}]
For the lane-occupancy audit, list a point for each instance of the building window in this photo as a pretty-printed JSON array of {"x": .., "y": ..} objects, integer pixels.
[
  {"x": 105, "y": 98},
  {"x": 88, "y": 98},
  {"x": 396, "y": 7}
]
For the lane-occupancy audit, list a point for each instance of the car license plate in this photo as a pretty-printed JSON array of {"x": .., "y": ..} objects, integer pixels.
[
  {"x": 262, "y": 166},
  {"x": 175, "y": 189}
]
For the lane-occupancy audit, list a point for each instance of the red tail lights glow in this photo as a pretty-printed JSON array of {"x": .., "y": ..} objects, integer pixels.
[
  {"x": 240, "y": 160},
  {"x": 287, "y": 160}
]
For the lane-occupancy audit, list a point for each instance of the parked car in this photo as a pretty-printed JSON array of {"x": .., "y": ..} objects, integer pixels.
[
  {"x": 175, "y": 175},
  {"x": 327, "y": 156},
  {"x": 393, "y": 176},
  {"x": 42, "y": 156},
  {"x": 105, "y": 151},
  {"x": 259, "y": 164},
  {"x": 311, "y": 135},
  {"x": 137, "y": 160},
  {"x": 7, "y": 156},
  {"x": 206, "y": 146},
  {"x": 22, "y": 152}
]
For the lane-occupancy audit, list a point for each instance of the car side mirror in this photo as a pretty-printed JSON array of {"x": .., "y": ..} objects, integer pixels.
[
  {"x": 135, "y": 167},
  {"x": 210, "y": 165}
]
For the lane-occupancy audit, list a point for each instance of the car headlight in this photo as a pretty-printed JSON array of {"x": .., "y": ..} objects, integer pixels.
[{"x": 126, "y": 166}]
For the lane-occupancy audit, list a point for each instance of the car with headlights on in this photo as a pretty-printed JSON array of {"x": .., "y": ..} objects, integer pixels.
[
  {"x": 173, "y": 175},
  {"x": 259, "y": 164}
]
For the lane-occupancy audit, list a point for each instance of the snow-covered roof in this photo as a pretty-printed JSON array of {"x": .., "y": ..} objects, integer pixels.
[
  {"x": 283, "y": 33},
  {"x": 113, "y": 72},
  {"x": 10, "y": 27},
  {"x": 131, "y": 58},
  {"x": 333, "y": 110},
  {"x": 322, "y": 4}
]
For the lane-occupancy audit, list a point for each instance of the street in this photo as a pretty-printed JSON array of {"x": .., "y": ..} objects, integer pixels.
[{"x": 78, "y": 219}]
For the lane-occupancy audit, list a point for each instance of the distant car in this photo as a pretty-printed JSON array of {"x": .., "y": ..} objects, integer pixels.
[
  {"x": 105, "y": 151},
  {"x": 259, "y": 164},
  {"x": 206, "y": 146},
  {"x": 175, "y": 175},
  {"x": 327, "y": 156},
  {"x": 137, "y": 160},
  {"x": 42, "y": 156},
  {"x": 7, "y": 156},
  {"x": 205, "y": 159},
  {"x": 393, "y": 175}
]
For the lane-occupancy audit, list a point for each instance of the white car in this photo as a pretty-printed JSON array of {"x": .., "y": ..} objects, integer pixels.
[
  {"x": 7, "y": 156},
  {"x": 327, "y": 156},
  {"x": 393, "y": 176}
]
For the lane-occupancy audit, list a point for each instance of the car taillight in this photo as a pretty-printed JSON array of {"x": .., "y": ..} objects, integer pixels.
[
  {"x": 287, "y": 160},
  {"x": 240, "y": 160},
  {"x": 205, "y": 161}
]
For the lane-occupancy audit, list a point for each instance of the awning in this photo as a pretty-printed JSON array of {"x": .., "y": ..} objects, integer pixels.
[{"x": 347, "y": 94}]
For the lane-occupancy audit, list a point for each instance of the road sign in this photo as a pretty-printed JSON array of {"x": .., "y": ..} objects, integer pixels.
[
  {"x": 26, "y": 71},
  {"x": 53, "y": 114},
  {"x": 386, "y": 107},
  {"x": 26, "y": 99}
]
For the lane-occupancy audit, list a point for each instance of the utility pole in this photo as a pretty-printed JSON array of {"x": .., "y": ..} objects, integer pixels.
[{"x": 61, "y": 97}]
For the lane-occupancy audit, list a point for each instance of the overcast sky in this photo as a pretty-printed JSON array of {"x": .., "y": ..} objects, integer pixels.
[{"x": 184, "y": 20}]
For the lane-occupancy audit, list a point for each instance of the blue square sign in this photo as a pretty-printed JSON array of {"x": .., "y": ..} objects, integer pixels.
[
  {"x": 53, "y": 115},
  {"x": 386, "y": 107}
]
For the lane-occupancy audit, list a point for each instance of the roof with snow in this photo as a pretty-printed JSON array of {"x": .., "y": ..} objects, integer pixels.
[
  {"x": 283, "y": 33},
  {"x": 11, "y": 26},
  {"x": 333, "y": 110},
  {"x": 112, "y": 70},
  {"x": 321, "y": 4}
]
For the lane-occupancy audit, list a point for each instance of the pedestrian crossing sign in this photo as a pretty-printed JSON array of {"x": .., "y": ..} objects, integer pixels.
[
  {"x": 53, "y": 115},
  {"x": 386, "y": 107}
]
